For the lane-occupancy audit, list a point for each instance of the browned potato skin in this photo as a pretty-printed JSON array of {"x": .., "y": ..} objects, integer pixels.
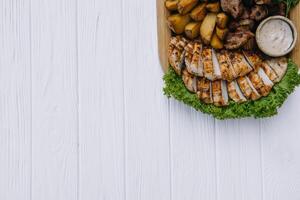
[
  {"x": 213, "y": 7},
  {"x": 222, "y": 20},
  {"x": 178, "y": 22},
  {"x": 192, "y": 30},
  {"x": 216, "y": 43},
  {"x": 207, "y": 27},
  {"x": 221, "y": 33},
  {"x": 199, "y": 12},
  {"x": 171, "y": 5},
  {"x": 185, "y": 6}
]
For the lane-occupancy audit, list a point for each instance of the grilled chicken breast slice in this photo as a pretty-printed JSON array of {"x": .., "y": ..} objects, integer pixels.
[
  {"x": 269, "y": 71},
  {"x": 279, "y": 65},
  {"x": 216, "y": 65},
  {"x": 176, "y": 53},
  {"x": 208, "y": 67},
  {"x": 204, "y": 92},
  {"x": 254, "y": 95},
  {"x": 226, "y": 67},
  {"x": 219, "y": 92},
  {"x": 268, "y": 84},
  {"x": 239, "y": 63},
  {"x": 261, "y": 82},
  {"x": 190, "y": 81},
  {"x": 252, "y": 58},
  {"x": 193, "y": 59},
  {"x": 224, "y": 93},
  {"x": 247, "y": 88},
  {"x": 235, "y": 92}
]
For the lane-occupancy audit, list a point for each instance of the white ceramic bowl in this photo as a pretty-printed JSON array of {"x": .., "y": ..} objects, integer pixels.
[{"x": 294, "y": 31}]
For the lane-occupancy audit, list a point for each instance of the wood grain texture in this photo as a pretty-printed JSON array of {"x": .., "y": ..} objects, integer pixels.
[
  {"x": 238, "y": 154},
  {"x": 295, "y": 17},
  {"x": 193, "y": 154},
  {"x": 54, "y": 100},
  {"x": 83, "y": 116},
  {"x": 163, "y": 33},
  {"x": 15, "y": 100},
  {"x": 280, "y": 152},
  {"x": 101, "y": 102},
  {"x": 146, "y": 109}
]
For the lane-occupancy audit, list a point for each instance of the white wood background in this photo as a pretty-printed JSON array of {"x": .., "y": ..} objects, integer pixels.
[{"x": 82, "y": 115}]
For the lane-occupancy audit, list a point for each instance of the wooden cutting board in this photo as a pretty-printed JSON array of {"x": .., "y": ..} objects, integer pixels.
[{"x": 164, "y": 34}]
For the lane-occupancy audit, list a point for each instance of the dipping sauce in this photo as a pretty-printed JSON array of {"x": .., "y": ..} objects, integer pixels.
[{"x": 275, "y": 37}]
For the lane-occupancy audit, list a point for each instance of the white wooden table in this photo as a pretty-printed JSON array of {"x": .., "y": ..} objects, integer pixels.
[{"x": 83, "y": 117}]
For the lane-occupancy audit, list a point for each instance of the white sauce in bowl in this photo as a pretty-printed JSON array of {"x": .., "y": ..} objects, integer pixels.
[{"x": 276, "y": 37}]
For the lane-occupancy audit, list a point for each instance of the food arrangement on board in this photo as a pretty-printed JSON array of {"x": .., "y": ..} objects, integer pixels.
[{"x": 231, "y": 55}]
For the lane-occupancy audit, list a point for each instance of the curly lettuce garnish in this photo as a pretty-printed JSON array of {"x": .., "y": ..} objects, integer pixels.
[{"x": 264, "y": 107}]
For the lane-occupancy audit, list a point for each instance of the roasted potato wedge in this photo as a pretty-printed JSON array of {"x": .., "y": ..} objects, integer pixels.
[
  {"x": 199, "y": 12},
  {"x": 178, "y": 22},
  {"x": 207, "y": 27},
  {"x": 185, "y": 6},
  {"x": 221, "y": 33},
  {"x": 222, "y": 20},
  {"x": 216, "y": 43},
  {"x": 171, "y": 5},
  {"x": 192, "y": 30},
  {"x": 214, "y": 7}
]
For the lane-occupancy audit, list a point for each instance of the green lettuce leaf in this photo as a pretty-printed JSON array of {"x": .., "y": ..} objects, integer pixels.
[{"x": 264, "y": 107}]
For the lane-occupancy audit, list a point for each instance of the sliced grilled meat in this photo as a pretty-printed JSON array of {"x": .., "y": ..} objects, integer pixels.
[
  {"x": 258, "y": 12},
  {"x": 219, "y": 91},
  {"x": 239, "y": 63},
  {"x": 247, "y": 88},
  {"x": 217, "y": 70},
  {"x": 279, "y": 65},
  {"x": 235, "y": 40},
  {"x": 268, "y": 84},
  {"x": 176, "y": 53},
  {"x": 260, "y": 82},
  {"x": 233, "y": 7},
  {"x": 208, "y": 67},
  {"x": 190, "y": 81},
  {"x": 252, "y": 58},
  {"x": 269, "y": 71},
  {"x": 226, "y": 67},
  {"x": 193, "y": 60},
  {"x": 235, "y": 92},
  {"x": 204, "y": 92}
]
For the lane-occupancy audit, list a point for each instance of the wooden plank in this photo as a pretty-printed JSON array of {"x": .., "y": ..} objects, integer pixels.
[
  {"x": 15, "y": 100},
  {"x": 295, "y": 17},
  {"x": 280, "y": 148},
  {"x": 193, "y": 155},
  {"x": 239, "y": 168},
  {"x": 163, "y": 33},
  {"x": 146, "y": 109},
  {"x": 54, "y": 90},
  {"x": 101, "y": 116}
]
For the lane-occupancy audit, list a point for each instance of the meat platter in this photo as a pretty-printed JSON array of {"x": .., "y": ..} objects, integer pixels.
[{"x": 229, "y": 59}]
